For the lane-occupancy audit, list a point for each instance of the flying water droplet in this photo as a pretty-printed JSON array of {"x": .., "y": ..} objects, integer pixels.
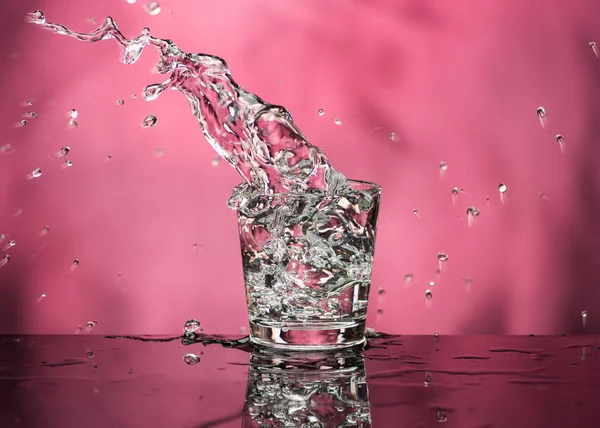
[
  {"x": 36, "y": 173},
  {"x": 63, "y": 152},
  {"x": 472, "y": 212},
  {"x": 321, "y": 112},
  {"x": 131, "y": 1},
  {"x": 584, "y": 318},
  {"x": 42, "y": 297},
  {"x": 29, "y": 102},
  {"x": 120, "y": 101},
  {"x": 541, "y": 114},
  {"x": 436, "y": 336},
  {"x": 108, "y": 157},
  {"x": 160, "y": 153},
  {"x": 67, "y": 164},
  {"x": 428, "y": 379},
  {"x": 216, "y": 161},
  {"x": 408, "y": 278},
  {"x": 431, "y": 284},
  {"x": 594, "y": 48},
  {"x": 89, "y": 326},
  {"x": 455, "y": 192},
  {"x": 561, "y": 142},
  {"x": 502, "y": 190},
  {"x": 541, "y": 195},
  {"x": 73, "y": 114},
  {"x": 74, "y": 265},
  {"x": 468, "y": 284},
  {"x": 428, "y": 294},
  {"x": 45, "y": 230},
  {"x": 441, "y": 417},
  {"x": 416, "y": 213},
  {"x": 38, "y": 17},
  {"x": 21, "y": 123},
  {"x": 393, "y": 136},
  {"x": 443, "y": 168},
  {"x": 381, "y": 291},
  {"x": 337, "y": 121},
  {"x": 442, "y": 257},
  {"x": 191, "y": 359},
  {"x": 153, "y": 8},
  {"x": 379, "y": 311},
  {"x": 149, "y": 121},
  {"x": 191, "y": 326},
  {"x": 10, "y": 244},
  {"x": 5, "y": 259},
  {"x": 73, "y": 123}
]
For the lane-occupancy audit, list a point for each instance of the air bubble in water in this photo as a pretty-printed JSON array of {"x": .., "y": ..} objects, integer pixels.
[
  {"x": 321, "y": 112},
  {"x": 337, "y": 121},
  {"x": 393, "y": 136},
  {"x": 584, "y": 318},
  {"x": 561, "y": 142},
  {"x": 5, "y": 259},
  {"x": 31, "y": 114},
  {"x": 153, "y": 8},
  {"x": 74, "y": 265},
  {"x": 38, "y": 17},
  {"x": 42, "y": 296},
  {"x": 594, "y": 48},
  {"x": 191, "y": 326},
  {"x": 541, "y": 114},
  {"x": 191, "y": 359},
  {"x": 149, "y": 121},
  {"x": 121, "y": 101}
]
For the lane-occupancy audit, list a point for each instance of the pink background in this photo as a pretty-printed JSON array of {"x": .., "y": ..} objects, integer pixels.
[{"x": 457, "y": 81}]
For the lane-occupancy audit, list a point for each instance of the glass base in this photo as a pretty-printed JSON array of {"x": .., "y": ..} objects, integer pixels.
[{"x": 308, "y": 336}]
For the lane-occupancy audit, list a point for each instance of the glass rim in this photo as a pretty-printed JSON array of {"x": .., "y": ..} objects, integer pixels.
[{"x": 372, "y": 188}]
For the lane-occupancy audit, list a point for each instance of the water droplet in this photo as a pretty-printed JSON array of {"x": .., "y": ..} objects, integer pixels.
[
  {"x": 431, "y": 283},
  {"x": 381, "y": 291},
  {"x": 21, "y": 123},
  {"x": 191, "y": 359},
  {"x": 5, "y": 259},
  {"x": 442, "y": 257},
  {"x": 594, "y": 48},
  {"x": 73, "y": 123},
  {"x": 393, "y": 136},
  {"x": 42, "y": 296},
  {"x": 32, "y": 114},
  {"x": 10, "y": 244},
  {"x": 428, "y": 378},
  {"x": 121, "y": 101},
  {"x": 472, "y": 212},
  {"x": 337, "y": 121},
  {"x": 29, "y": 102},
  {"x": 149, "y": 121},
  {"x": 73, "y": 114},
  {"x": 408, "y": 278},
  {"x": 441, "y": 417},
  {"x": 416, "y": 213},
  {"x": 74, "y": 265},
  {"x": 428, "y": 294},
  {"x": 90, "y": 354},
  {"x": 191, "y": 326},
  {"x": 160, "y": 153},
  {"x": 89, "y": 326},
  {"x": 443, "y": 166},
  {"x": 38, "y": 17},
  {"x": 561, "y": 142},
  {"x": 216, "y": 161},
  {"x": 321, "y": 112},
  {"x": 108, "y": 157},
  {"x": 35, "y": 173},
  {"x": 584, "y": 318},
  {"x": 68, "y": 163},
  {"x": 502, "y": 187},
  {"x": 153, "y": 8},
  {"x": 131, "y": 1},
  {"x": 45, "y": 230},
  {"x": 379, "y": 311},
  {"x": 64, "y": 151},
  {"x": 541, "y": 114}
]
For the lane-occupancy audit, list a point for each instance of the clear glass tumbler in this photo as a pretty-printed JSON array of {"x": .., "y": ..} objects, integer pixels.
[{"x": 307, "y": 261}]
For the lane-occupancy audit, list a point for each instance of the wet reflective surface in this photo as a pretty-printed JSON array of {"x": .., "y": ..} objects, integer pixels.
[{"x": 201, "y": 381}]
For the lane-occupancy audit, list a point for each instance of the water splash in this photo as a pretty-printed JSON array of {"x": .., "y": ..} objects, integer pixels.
[{"x": 258, "y": 139}]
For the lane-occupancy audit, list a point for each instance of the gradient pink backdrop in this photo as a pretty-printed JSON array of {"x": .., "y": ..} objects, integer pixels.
[{"x": 457, "y": 81}]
